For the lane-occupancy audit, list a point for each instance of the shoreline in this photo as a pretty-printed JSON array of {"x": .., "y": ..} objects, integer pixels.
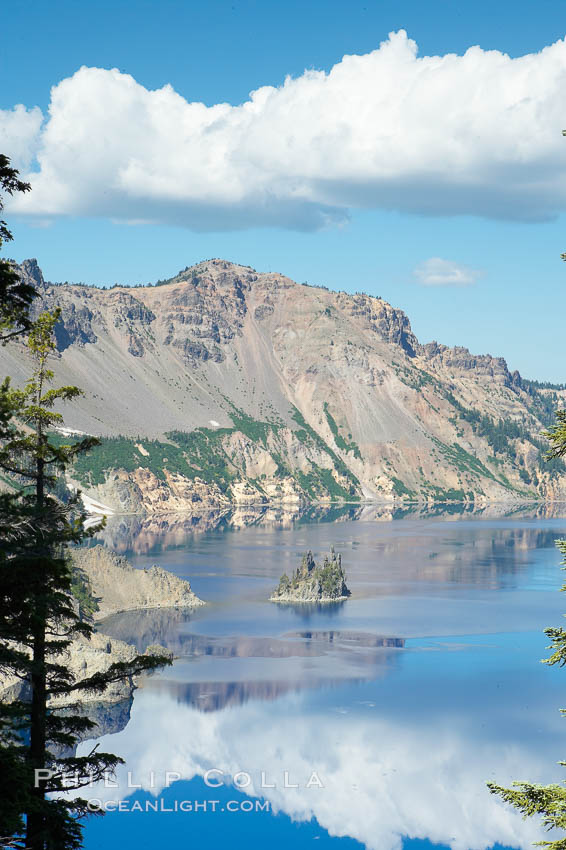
[
  {"x": 93, "y": 513},
  {"x": 314, "y": 601}
]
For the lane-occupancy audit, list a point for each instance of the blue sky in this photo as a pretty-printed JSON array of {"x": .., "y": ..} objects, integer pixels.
[{"x": 505, "y": 248}]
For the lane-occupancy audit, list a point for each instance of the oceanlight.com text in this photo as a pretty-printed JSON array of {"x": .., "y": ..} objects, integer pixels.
[{"x": 174, "y": 806}]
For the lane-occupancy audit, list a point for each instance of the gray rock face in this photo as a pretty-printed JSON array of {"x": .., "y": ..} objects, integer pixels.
[
  {"x": 87, "y": 657},
  {"x": 388, "y": 418},
  {"x": 118, "y": 586},
  {"x": 263, "y": 311},
  {"x": 75, "y": 329},
  {"x": 32, "y": 274},
  {"x": 459, "y": 359},
  {"x": 391, "y": 325},
  {"x": 313, "y": 583},
  {"x": 84, "y": 658}
]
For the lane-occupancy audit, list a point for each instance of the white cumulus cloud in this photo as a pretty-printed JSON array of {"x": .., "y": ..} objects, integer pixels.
[
  {"x": 474, "y": 134},
  {"x": 20, "y": 134},
  {"x": 438, "y": 272}
]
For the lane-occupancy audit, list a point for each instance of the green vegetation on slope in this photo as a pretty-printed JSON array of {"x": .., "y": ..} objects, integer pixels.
[
  {"x": 205, "y": 454},
  {"x": 341, "y": 442},
  {"x": 500, "y": 433},
  {"x": 201, "y": 454},
  {"x": 463, "y": 460},
  {"x": 319, "y": 480},
  {"x": 306, "y": 434},
  {"x": 198, "y": 454},
  {"x": 257, "y": 430},
  {"x": 122, "y": 453},
  {"x": 401, "y": 489}
]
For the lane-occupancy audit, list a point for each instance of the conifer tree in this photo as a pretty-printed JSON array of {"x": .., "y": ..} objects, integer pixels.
[{"x": 38, "y": 618}]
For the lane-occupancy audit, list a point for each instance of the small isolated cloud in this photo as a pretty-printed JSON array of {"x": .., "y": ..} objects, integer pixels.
[
  {"x": 477, "y": 134},
  {"x": 438, "y": 272}
]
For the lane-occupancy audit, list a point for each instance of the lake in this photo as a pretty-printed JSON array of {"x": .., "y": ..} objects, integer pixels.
[{"x": 372, "y": 723}]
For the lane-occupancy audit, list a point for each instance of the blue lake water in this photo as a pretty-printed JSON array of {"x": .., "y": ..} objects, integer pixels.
[{"x": 374, "y": 723}]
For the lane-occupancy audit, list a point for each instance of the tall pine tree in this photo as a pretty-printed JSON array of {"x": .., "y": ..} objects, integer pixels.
[{"x": 39, "y": 619}]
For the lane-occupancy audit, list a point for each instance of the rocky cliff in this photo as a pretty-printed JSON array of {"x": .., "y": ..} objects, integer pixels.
[
  {"x": 223, "y": 385},
  {"x": 117, "y": 586}
]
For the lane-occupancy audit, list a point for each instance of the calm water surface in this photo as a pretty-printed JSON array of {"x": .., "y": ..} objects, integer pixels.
[{"x": 401, "y": 702}]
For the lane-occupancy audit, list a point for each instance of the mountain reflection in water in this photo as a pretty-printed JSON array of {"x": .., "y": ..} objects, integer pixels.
[
  {"x": 158, "y": 532},
  {"x": 405, "y": 699}
]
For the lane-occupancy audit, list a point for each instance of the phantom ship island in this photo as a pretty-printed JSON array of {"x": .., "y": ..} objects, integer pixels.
[{"x": 312, "y": 582}]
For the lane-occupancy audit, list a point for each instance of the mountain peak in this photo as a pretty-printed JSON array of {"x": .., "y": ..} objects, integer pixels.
[{"x": 273, "y": 389}]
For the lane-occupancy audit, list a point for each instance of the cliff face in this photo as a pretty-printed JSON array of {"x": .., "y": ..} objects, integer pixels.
[
  {"x": 118, "y": 586},
  {"x": 84, "y": 658},
  {"x": 229, "y": 386}
]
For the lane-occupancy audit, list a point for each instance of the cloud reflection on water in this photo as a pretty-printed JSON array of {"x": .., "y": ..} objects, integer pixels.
[{"x": 384, "y": 777}]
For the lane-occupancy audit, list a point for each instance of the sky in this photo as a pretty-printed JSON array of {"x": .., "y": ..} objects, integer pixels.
[{"x": 410, "y": 150}]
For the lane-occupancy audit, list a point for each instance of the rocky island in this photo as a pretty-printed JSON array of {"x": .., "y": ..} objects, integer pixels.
[{"x": 312, "y": 582}]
